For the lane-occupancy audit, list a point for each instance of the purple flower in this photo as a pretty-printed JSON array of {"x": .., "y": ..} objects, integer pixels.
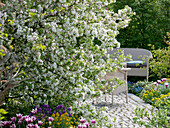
[
  {"x": 82, "y": 121},
  {"x": 54, "y": 112},
  {"x": 64, "y": 111},
  {"x": 19, "y": 115},
  {"x": 50, "y": 119},
  {"x": 64, "y": 108},
  {"x": 56, "y": 108},
  {"x": 69, "y": 115},
  {"x": 69, "y": 109},
  {"x": 43, "y": 105},
  {"x": 35, "y": 106},
  {"x": 40, "y": 123},
  {"x": 61, "y": 106},
  {"x": 93, "y": 121},
  {"x": 60, "y": 112},
  {"x": 47, "y": 106},
  {"x": 39, "y": 109},
  {"x": 13, "y": 119}
]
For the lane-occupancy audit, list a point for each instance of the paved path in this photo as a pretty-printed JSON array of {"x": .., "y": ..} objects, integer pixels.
[{"x": 124, "y": 112}]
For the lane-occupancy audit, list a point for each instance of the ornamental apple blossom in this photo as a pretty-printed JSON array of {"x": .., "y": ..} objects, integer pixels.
[{"x": 54, "y": 49}]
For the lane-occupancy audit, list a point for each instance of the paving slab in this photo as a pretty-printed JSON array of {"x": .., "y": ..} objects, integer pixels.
[{"x": 124, "y": 112}]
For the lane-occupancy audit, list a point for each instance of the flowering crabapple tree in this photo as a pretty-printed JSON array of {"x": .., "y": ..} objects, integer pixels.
[{"x": 51, "y": 44}]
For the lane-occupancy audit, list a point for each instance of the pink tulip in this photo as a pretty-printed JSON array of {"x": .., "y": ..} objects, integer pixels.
[
  {"x": 50, "y": 119},
  {"x": 40, "y": 123},
  {"x": 13, "y": 119},
  {"x": 79, "y": 126},
  {"x": 166, "y": 85},
  {"x": 93, "y": 121},
  {"x": 84, "y": 126},
  {"x": 158, "y": 81},
  {"x": 155, "y": 83},
  {"x": 87, "y": 125},
  {"x": 19, "y": 115},
  {"x": 163, "y": 79},
  {"x": 82, "y": 121}
]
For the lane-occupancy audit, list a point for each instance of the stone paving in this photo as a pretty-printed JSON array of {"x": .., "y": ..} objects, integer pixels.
[{"x": 124, "y": 112}]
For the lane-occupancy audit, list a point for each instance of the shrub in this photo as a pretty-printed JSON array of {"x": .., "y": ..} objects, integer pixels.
[{"x": 159, "y": 65}]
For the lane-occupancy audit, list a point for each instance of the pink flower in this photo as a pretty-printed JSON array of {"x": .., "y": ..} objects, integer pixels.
[
  {"x": 79, "y": 126},
  {"x": 20, "y": 122},
  {"x": 155, "y": 83},
  {"x": 82, "y": 121},
  {"x": 93, "y": 121},
  {"x": 158, "y": 81},
  {"x": 34, "y": 111},
  {"x": 36, "y": 126},
  {"x": 166, "y": 85},
  {"x": 87, "y": 125},
  {"x": 13, "y": 126},
  {"x": 163, "y": 79},
  {"x": 40, "y": 123},
  {"x": 50, "y": 119},
  {"x": 13, "y": 119},
  {"x": 84, "y": 126},
  {"x": 33, "y": 118},
  {"x": 19, "y": 115},
  {"x": 29, "y": 120}
]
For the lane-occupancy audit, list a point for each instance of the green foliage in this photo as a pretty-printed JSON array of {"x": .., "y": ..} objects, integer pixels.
[
  {"x": 160, "y": 64},
  {"x": 155, "y": 118},
  {"x": 2, "y": 113},
  {"x": 148, "y": 27}
]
